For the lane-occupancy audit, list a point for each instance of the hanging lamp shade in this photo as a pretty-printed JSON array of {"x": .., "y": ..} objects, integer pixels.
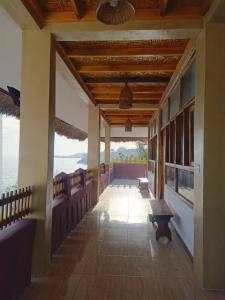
[
  {"x": 114, "y": 12},
  {"x": 126, "y": 97},
  {"x": 128, "y": 125}
]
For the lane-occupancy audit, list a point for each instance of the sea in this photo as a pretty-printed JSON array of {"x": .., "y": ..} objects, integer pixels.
[{"x": 9, "y": 170}]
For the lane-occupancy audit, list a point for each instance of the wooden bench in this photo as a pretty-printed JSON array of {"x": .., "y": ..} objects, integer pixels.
[
  {"x": 161, "y": 214},
  {"x": 143, "y": 184}
]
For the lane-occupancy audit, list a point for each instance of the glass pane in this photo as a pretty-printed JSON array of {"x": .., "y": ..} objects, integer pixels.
[
  {"x": 165, "y": 114},
  {"x": 179, "y": 139},
  {"x": 175, "y": 101},
  {"x": 189, "y": 84},
  {"x": 192, "y": 136},
  {"x": 186, "y": 184},
  {"x": 171, "y": 177}
]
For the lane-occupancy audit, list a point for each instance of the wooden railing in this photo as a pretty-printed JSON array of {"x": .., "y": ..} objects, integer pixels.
[
  {"x": 59, "y": 186},
  {"x": 14, "y": 206}
]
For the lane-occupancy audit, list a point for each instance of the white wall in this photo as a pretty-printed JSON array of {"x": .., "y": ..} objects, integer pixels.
[
  {"x": 71, "y": 101},
  {"x": 10, "y": 51},
  {"x": 183, "y": 220},
  {"x": 120, "y": 132}
]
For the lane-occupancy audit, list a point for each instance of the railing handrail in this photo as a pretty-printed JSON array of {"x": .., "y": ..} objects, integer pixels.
[{"x": 15, "y": 205}]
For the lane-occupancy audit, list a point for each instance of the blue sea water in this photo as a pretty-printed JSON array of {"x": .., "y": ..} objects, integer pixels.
[{"x": 9, "y": 170}]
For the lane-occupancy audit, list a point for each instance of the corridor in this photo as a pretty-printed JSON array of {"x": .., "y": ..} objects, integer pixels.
[{"x": 113, "y": 255}]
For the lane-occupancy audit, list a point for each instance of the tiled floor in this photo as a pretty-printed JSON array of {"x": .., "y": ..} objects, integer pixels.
[{"x": 113, "y": 255}]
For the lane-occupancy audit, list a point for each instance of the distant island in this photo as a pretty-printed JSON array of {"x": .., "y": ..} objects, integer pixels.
[{"x": 121, "y": 153}]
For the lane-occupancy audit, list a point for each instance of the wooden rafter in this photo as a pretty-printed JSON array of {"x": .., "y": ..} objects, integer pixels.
[
  {"x": 134, "y": 101},
  {"x": 35, "y": 11},
  {"x": 163, "y": 7},
  {"x": 127, "y": 68},
  {"x": 141, "y": 14},
  {"x": 136, "y": 89},
  {"x": 104, "y": 117},
  {"x": 73, "y": 70},
  {"x": 122, "y": 79},
  {"x": 127, "y": 52},
  {"x": 135, "y": 96},
  {"x": 76, "y": 7}
]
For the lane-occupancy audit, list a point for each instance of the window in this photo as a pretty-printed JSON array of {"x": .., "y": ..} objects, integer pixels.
[
  {"x": 171, "y": 177},
  {"x": 179, "y": 139},
  {"x": 165, "y": 113},
  {"x": 175, "y": 101},
  {"x": 191, "y": 135},
  {"x": 172, "y": 142},
  {"x": 188, "y": 82},
  {"x": 186, "y": 184}
]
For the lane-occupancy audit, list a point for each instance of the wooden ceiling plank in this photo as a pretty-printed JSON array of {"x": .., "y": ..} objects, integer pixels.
[
  {"x": 125, "y": 52},
  {"x": 96, "y": 89},
  {"x": 73, "y": 70},
  {"x": 35, "y": 11},
  {"x": 137, "y": 102},
  {"x": 119, "y": 79},
  {"x": 135, "y": 96},
  {"x": 141, "y": 14},
  {"x": 127, "y": 68},
  {"x": 76, "y": 8},
  {"x": 163, "y": 7}
]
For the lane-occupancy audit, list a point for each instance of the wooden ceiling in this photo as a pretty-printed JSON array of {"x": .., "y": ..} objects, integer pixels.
[
  {"x": 62, "y": 11},
  {"x": 120, "y": 117},
  {"x": 103, "y": 67}
]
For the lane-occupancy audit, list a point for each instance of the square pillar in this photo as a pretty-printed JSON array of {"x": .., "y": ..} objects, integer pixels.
[
  {"x": 94, "y": 144},
  {"x": 37, "y": 120},
  {"x": 107, "y": 143},
  {"x": 209, "y": 207}
]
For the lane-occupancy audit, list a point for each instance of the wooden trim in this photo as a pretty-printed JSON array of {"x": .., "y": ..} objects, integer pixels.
[
  {"x": 73, "y": 70},
  {"x": 35, "y": 11},
  {"x": 182, "y": 167},
  {"x": 76, "y": 8},
  {"x": 163, "y": 7},
  {"x": 110, "y": 68}
]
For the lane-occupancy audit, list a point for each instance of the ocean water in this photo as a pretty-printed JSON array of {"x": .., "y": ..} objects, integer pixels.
[{"x": 9, "y": 170}]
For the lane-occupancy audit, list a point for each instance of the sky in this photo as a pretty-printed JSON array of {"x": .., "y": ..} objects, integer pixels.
[{"x": 63, "y": 146}]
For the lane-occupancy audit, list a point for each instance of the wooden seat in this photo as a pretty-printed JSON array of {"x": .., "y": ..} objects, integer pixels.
[
  {"x": 161, "y": 214},
  {"x": 143, "y": 184}
]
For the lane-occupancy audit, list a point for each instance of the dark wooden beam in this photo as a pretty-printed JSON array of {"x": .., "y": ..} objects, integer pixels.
[
  {"x": 163, "y": 7},
  {"x": 141, "y": 14},
  {"x": 119, "y": 79},
  {"x": 135, "y": 96},
  {"x": 127, "y": 68},
  {"x": 35, "y": 11},
  {"x": 141, "y": 89},
  {"x": 104, "y": 117},
  {"x": 134, "y": 102},
  {"x": 73, "y": 70},
  {"x": 125, "y": 52},
  {"x": 76, "y": 8}
]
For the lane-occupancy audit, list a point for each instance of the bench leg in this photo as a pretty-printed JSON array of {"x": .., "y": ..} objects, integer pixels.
[{"x": 163, "y": 229}]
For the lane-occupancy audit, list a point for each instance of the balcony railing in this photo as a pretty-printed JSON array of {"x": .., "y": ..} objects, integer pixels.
[{"x": 14, "y": 206}]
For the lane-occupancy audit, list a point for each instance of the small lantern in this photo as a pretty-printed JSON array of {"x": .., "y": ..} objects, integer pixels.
[
  {"x": 128, "y": 126},
  {"x": 114, "y": 12},
  {"x": 126, "y": 97}
]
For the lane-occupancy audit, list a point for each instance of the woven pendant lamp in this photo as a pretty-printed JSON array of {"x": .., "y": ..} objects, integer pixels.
[
  {"x": 114, "y": 12},
  {"x": 126, "y": 97},
  {"x": 128, "y": 125}
]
